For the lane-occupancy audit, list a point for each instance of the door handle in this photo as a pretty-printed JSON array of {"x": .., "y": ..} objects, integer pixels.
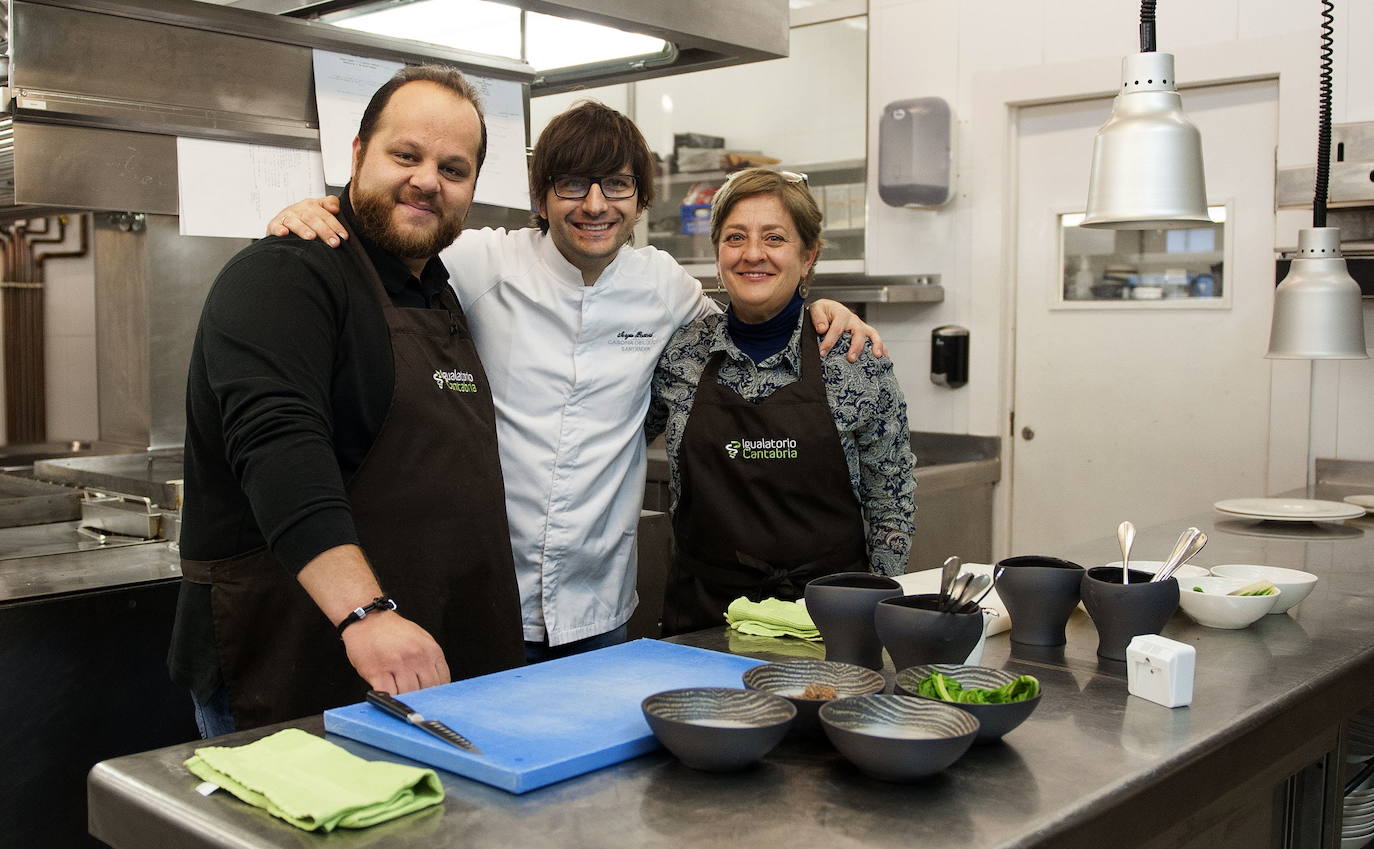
[{"x": 1027, "y": 434}]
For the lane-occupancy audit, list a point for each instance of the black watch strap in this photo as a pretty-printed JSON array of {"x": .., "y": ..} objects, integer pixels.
[{"x": 358, "y": 614}]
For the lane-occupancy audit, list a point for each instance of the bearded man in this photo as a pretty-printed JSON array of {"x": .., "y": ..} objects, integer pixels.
[{"x": 344, "y": 524}]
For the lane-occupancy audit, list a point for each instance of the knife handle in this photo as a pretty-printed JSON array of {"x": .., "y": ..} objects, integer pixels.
[{"x": 393, "y": 706}]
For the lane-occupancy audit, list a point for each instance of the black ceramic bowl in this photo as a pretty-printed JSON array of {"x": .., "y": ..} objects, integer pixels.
[
  {"x": 898, "y": 738},
  {"x": 717, "y": 728},
  {"x": 789, "y": 680},
  {"x": 994, "y": 720}
]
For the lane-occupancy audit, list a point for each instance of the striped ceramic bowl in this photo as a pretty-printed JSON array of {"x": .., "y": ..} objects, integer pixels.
[
  {"x": 995, "y": 720},
  {"x": 717, "y": 728},
  {"x": 792, "y": 678},
  {"x": 898, "y": 738}
]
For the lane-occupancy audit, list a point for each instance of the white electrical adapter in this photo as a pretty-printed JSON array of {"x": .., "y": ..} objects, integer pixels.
[{"x": 1161, "y": 670}]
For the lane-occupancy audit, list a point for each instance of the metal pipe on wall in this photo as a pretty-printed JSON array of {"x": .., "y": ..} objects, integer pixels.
[{"x": 22, "y": 292}]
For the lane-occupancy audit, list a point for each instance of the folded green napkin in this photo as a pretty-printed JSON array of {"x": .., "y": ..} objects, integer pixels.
[
  {"x": 771, "y": 618},
  {"x": 315, "y": 785}
]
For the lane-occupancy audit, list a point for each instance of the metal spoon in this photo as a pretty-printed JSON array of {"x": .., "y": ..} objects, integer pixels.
[
  {"x": 1196, "y": 539},
  {"x": 1187, "y": 546},
  {"x": 978, "y": 584},
  {"x": 948, "y": 573},
  {"x": 996, "y": 576},
  {"x": 1125, "y": 537},
  {"x": 960, "y": 584}
]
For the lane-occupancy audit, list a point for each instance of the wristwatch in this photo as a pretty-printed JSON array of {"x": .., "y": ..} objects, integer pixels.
[{"x": 381, "y": 602}]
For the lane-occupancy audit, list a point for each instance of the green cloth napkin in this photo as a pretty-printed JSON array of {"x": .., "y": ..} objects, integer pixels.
[
  {"x": 315, "y": 785},
  {"x": 771, "y": 618}
]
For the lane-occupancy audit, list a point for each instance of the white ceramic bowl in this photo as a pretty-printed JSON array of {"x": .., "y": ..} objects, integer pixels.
[
  {"x": 1294, "y": 584},
  {"x": 1187, "y": 570},
  {"x": 1215, "y": 609}
]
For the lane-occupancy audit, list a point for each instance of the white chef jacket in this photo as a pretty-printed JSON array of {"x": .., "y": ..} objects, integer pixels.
[{"x": 570, "y": 368}]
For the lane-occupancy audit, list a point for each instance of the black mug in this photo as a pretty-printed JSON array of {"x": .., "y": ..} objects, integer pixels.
[{"x": 1040, "y": 593}]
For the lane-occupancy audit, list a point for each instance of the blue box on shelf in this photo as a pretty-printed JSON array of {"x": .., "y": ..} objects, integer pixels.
[{"x": 696, "y": 219}]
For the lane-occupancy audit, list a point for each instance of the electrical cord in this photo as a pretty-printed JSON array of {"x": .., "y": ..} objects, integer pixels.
[
  {"x": 1324, "y": 122},
  {"x": 1147, "y": 26}
]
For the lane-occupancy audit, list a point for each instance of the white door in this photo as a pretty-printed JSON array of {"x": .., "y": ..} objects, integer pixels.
[{"x": 1140, "y": 414}]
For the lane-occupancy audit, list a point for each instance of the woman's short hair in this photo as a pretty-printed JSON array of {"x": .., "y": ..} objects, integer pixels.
[
  {"x": 591, "y": 139},
  {"x": 789, "y": 188}
]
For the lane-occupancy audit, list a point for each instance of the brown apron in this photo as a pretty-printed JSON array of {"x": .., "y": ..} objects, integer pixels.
[
  {"x": 430, "y": 511},
  {"x": 765, "y": 503}
]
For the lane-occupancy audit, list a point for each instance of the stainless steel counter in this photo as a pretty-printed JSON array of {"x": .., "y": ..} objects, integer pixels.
[
  {"x": 1092, "y": 767},
  {"x": 50, "y": 560},
  {"x": 154, "y": 474}
]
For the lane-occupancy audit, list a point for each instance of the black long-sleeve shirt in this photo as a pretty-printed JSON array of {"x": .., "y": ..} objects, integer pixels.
[{"x": 289, "y": 382}]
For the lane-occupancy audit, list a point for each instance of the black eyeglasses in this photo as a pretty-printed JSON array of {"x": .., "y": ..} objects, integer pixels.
[{"x": 613, "y": 186}]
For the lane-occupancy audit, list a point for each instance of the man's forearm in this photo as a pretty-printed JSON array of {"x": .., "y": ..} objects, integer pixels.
[
  {"x": 390, "y": 652},
  {"x": 338, "y": 580}
]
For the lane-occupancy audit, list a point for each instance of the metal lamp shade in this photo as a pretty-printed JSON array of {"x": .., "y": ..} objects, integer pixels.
[
  {"x": 1147, "y": 158},
  {"x": 1317, "y": 309}
]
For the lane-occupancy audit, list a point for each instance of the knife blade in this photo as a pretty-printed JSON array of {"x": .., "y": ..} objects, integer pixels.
[{"x": 399, "y": 709}]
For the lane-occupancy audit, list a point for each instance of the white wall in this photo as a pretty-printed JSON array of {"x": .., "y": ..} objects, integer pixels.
[
  {"x": 69, "y": 345},
  {"x": 945, "y": 47}
]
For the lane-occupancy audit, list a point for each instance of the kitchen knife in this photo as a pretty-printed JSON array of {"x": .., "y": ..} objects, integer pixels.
[{"x": 399, "y": 709}]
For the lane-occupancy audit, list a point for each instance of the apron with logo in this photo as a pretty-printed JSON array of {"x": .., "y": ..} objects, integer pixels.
[
  {"x": 766, "y": 504},
  {"x": 430, "y": 511}
]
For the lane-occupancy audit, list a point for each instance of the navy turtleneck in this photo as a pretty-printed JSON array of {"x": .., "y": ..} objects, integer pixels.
[{"x": 763, "y": 340}]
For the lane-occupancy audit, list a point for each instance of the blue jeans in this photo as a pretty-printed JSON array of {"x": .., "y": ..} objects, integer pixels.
[
  {"x": 213, "y": 718},
  {"x": 540, "y": 652}
]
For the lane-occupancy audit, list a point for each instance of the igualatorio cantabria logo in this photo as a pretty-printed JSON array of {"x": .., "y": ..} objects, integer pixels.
[
  {"x": 456, "y": 381},
  {"x": 762, "y": 449}
]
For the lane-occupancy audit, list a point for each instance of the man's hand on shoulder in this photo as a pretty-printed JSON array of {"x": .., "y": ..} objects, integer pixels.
[
  {"x": 309, "y": 218},
  {"x": 393, "y": 654},
  {"x": 833, "y": 319}
]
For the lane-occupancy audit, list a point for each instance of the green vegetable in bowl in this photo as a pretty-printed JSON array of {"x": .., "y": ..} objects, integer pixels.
[
  {"x": 1260, "y": 587},
  {"x": 948, "y": 689},
  {"x": 1197, "y": 589}
]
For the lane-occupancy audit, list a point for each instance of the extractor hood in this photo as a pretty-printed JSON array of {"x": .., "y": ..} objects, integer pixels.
[
  {"x": 702, "y": 34},
  {"x": 98, "y": 90}
]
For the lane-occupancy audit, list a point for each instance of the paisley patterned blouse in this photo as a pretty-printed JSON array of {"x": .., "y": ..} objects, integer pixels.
[{"x": 867, "y": 404}]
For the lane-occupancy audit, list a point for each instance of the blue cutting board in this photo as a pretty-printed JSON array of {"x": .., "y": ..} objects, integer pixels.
[{"x": 546, "y": 722}]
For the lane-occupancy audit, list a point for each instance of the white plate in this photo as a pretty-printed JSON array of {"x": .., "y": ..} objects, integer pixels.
[
  {"x": 1365, "y": 501},
  {"x": 1288, "y": 509},
  {"x": 1258, "y": 526}
]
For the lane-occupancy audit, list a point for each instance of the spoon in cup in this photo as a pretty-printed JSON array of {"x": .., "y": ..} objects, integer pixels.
[{"x": 1125, "y": 537}]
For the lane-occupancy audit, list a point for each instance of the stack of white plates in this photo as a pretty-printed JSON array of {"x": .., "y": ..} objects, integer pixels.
[
  {"x": 1357, "y": 818},
  {"x": 1357, "y": 815},
  {"x": 1288, "y": 509}
]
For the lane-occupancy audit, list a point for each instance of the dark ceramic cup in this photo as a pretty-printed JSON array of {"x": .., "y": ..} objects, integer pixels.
[
  {"x": 842, "y": 605},
  {"x": 1122, "y": 611},
  {"x": 915, "y": 632},
  {"x": 1040, "y": 594}
]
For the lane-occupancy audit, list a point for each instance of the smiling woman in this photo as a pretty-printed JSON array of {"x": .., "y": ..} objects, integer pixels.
[{"x": 832, "y": 490}]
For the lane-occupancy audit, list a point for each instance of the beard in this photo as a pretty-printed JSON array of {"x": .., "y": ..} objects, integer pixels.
[{"x": 373, "y": 210}]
